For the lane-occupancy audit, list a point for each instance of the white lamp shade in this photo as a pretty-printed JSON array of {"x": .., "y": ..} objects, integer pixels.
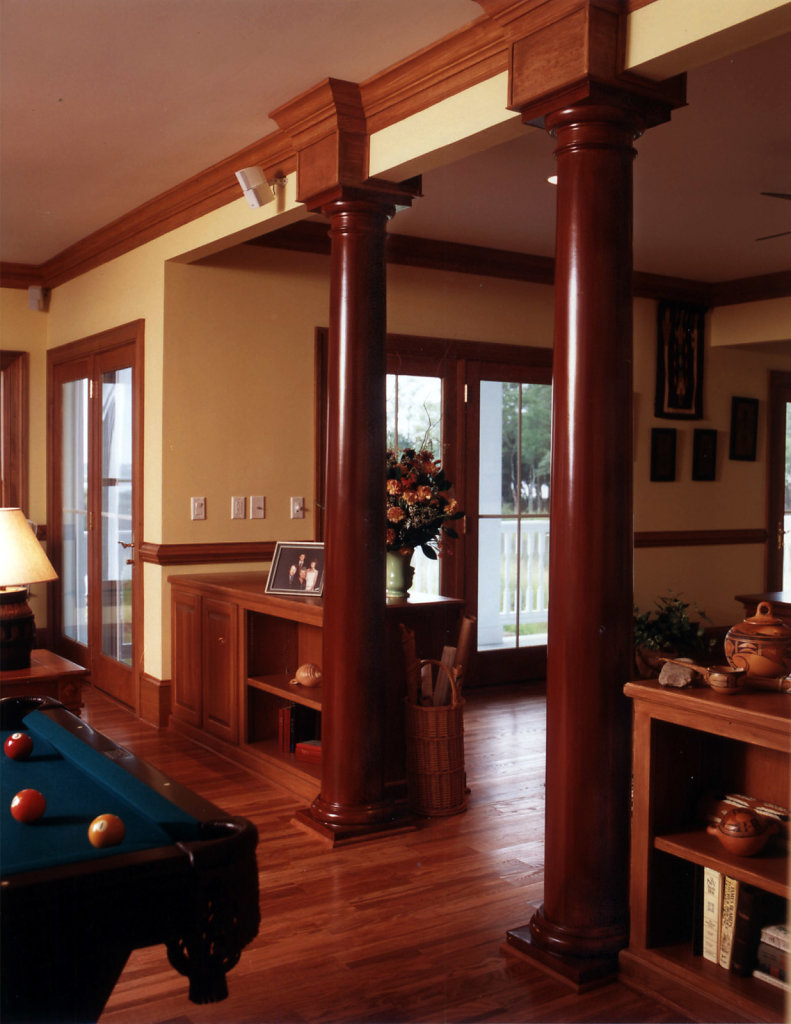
[{"x": 22, "y": 558}]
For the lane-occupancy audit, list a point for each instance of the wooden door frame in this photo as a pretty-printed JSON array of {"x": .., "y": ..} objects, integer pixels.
[
  {"x": 779, "y": 395},
  {"x": 131, "y": 334},
  {"x": 520, "y": 663},
  {"x": 14, "y": 367}
]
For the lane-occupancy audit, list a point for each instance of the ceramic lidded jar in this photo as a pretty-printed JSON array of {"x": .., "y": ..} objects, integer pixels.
[
  {"x": 760, "y": 644},
  {"x": 742, "y": 831}
]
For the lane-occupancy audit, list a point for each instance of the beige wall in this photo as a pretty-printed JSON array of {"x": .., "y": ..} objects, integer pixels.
[{"x": 230, "y": 404}]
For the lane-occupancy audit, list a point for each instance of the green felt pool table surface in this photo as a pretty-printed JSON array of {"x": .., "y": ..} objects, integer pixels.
[{"x": 67, "y": 905}]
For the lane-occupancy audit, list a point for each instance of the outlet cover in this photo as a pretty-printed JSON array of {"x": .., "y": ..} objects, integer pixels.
[
  {"x": 197, "y": 508},
  {"x": 297, "y": 508},
  {"x": 237, "y": 508},
  {"x": 257, "y": 506}
]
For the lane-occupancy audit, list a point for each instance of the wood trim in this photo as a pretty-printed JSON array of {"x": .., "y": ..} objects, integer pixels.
[
  {"x": 779, "y": 395},
  {"x": 459, "y": 61},
  {"x": 751, "y": 289},
  {"x": 20, "y": 275},
  {"x": 206, "y": 554},
  {"x": 15, "y": 404},
  {"x": 697, "y": 538},
  {"x": 434, "y": 254},
  {"x": 155, "y": 700}
]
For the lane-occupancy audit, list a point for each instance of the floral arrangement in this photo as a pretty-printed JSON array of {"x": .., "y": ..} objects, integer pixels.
[{"x": 419, "y": 505}]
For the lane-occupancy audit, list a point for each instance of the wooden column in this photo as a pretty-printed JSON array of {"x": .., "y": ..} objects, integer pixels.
[
  {"x": 584, "y": 917},
  {"x": 566, "y": 73},
  {"x": 352, "y": 800},
  {"x": 328, "y": 128}
]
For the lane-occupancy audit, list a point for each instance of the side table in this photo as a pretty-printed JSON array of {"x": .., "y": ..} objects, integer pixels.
[{"x": 49, "y": 675}]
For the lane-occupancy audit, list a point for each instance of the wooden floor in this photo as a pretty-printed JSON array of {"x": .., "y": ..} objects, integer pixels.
[{"x": 404, "y": 929}]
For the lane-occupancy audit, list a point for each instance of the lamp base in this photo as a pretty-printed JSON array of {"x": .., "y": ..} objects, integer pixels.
[{"x": 17, "y": 629}]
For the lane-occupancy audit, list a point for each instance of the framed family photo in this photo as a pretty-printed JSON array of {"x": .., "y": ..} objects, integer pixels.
[{"x": 297, "y": 569}]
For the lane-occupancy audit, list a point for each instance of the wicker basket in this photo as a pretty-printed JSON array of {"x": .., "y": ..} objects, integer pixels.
[{"x": 435, "y": 756}]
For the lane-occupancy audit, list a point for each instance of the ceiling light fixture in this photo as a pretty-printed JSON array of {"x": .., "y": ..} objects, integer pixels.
[{"x": 257, "y": 190}]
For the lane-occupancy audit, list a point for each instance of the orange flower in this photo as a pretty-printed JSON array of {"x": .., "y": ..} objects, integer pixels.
[
  {"x": 394, "y": 486},
  {"x": 395, "y": 514},
  {"x": 410, "y": 497},
  {"x": 424, "y": 492}
]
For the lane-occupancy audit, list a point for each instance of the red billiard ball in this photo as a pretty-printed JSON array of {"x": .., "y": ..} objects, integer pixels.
[
  {"x": 106, "y": 830},
  {"x": 18, "y": 746},
  {"x": 28, "y": 806}
]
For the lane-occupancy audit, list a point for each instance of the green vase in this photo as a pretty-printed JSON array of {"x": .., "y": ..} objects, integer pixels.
[{"x": 399, "y": 573}]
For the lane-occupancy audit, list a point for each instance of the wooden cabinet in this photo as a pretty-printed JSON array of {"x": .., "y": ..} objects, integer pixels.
[
  {"x": 204, "y": 663},
  {"x": 689, "y": 745},
  {"x": 236, "y": 650}
]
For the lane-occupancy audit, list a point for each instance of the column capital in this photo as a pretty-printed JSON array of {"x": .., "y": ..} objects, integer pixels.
[
  {"x": 328, "y": 129},
  {"x": 571, "y": 52}
]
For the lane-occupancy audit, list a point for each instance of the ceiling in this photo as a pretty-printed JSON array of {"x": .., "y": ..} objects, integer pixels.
[{"x": 105, "y": 104}]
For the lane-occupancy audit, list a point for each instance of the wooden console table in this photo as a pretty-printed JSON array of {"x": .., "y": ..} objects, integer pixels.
[
  {"x": 49, "y": 675},
  {"x": 236, "y": 648}
]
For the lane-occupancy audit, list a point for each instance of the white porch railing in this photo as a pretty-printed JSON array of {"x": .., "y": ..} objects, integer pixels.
[{"x": 516, "y": 596}]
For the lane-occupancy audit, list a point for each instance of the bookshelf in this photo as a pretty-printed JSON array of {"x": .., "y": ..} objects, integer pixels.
[
  {"x": 236, "y": 648},
  {"x": 689, "y": 745}
]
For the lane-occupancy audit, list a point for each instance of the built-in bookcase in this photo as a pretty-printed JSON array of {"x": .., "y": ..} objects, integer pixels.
[{"x": 689, "y": 746}]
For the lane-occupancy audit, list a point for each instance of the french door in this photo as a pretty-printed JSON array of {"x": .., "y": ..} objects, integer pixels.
[
  {"x": 508, "y": 447},
  {"x": 94, "y": 432},
  {"x": 779, "y": 560}
]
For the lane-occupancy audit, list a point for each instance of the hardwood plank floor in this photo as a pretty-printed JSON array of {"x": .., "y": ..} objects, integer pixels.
[{"x": 408, "y": 928}]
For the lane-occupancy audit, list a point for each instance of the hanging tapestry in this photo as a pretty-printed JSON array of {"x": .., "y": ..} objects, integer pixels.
[{"x": 679, "y": 361}]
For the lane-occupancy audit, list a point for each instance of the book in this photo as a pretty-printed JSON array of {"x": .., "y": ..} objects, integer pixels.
[
  {"x": 772, "y": 961},
  {"x": 771, "y": 980},
  {"x": 308, "y": 750},
  {"x": 730, "y": 894},
  {"x": 712, "y": 913},
  {"x": 284, "y": 728},
  {"x": 746, "y": 930},
  {"x": 776, "y": 935}
]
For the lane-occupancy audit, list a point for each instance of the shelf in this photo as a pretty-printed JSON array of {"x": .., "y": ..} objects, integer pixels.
[
  {"x": 677, "y": 973},
  {"x": 767, "y": 870},
  {"x": 280, "y": 686},
  {"x": 268, "y": 750}
]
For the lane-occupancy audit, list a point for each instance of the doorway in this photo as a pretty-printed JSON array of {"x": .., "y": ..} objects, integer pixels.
[
  {"x": 95, "y": 505},
  {"x": 779, "y": 558},
  {"x": 507, "y": 502}
]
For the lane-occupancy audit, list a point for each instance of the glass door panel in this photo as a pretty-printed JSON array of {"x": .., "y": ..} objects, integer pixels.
[
  {"x": 116, "y": 513},
  {"x": 513, "y": 514},
  {"x": 414, "y": 420},
  {"x": 74, "y": 509}
]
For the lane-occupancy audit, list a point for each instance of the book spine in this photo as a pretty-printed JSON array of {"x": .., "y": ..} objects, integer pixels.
[
  {"x": 712, "y": 914},
  {"x": 730, "y": 894},
  {"x": 776, "y": 935}
]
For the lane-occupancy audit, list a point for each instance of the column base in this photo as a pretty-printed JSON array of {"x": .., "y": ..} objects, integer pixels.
[
  {"x": 335, "y": 834},
  {"x": 580, "y": 973}
]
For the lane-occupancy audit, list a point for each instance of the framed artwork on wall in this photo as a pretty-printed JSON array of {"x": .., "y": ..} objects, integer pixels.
[
  {"x": 744, "y": 428},
  {"x": 663, "y": 454},
  {"x": 679, "y": 361},
  {"x": 297, "y": 569},
  {"x": 704, "y": 455}
]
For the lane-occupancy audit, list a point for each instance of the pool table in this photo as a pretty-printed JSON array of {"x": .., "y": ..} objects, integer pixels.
[{"x": 184, "y": 875}]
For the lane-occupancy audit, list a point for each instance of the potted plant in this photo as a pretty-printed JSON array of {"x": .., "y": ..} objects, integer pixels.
[
  {"x": 668, "y": 632},
  {"x": 419, "y": 508}
]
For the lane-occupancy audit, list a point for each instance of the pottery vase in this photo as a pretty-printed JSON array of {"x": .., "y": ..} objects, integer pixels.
[
  {"x": 399, "y": 573},
  {"x": 760, "y": 644}
]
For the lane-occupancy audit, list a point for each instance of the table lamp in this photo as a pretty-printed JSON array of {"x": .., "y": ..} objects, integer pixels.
[{"x": 22, "y": 561}]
